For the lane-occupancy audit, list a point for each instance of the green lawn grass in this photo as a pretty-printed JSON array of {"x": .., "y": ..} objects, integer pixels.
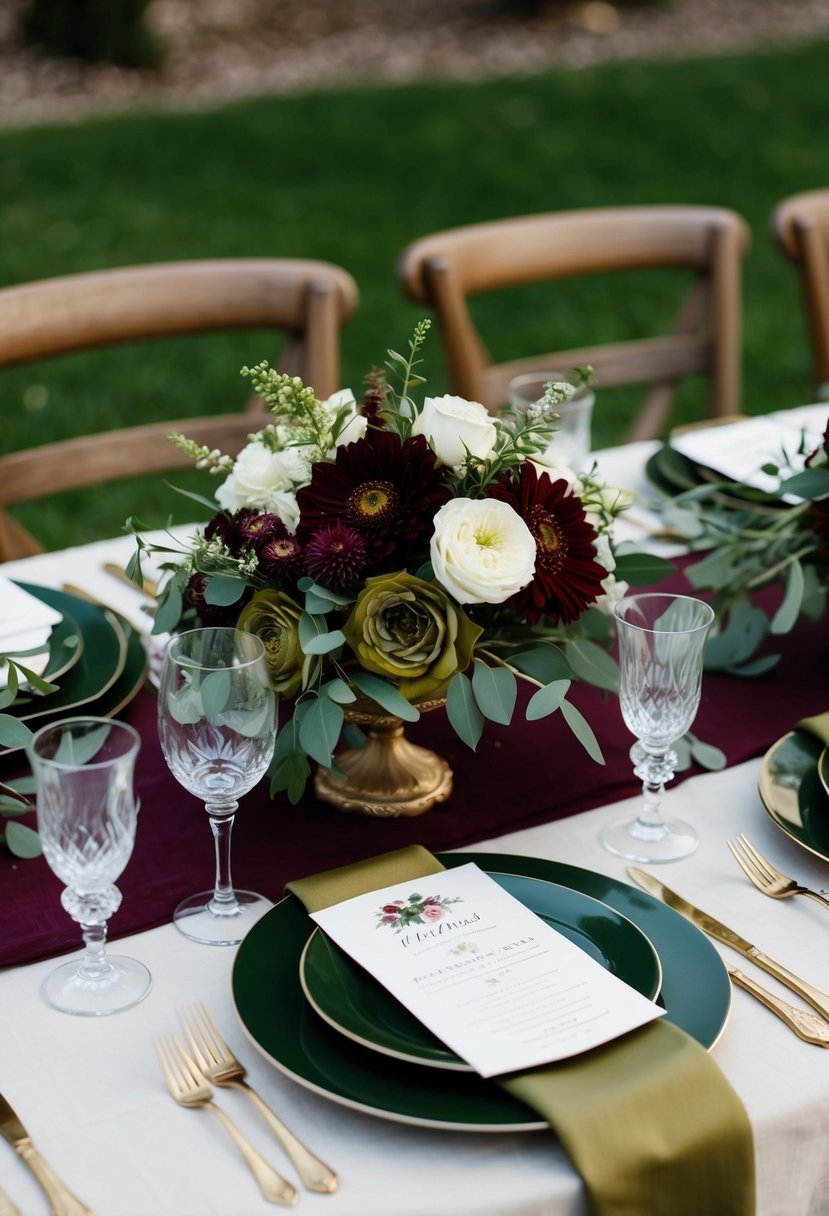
[{"x": 354, "y": 175}]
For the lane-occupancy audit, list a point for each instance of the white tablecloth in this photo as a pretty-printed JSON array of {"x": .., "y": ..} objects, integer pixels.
[{"x": 93, "y": 1099}]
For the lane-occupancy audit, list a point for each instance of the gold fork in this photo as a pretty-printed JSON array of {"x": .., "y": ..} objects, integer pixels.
[
  {"x": 220, "y": 1065},
  {"x": 763, "y": 874},
  {"x": 189, "y": 1088}
]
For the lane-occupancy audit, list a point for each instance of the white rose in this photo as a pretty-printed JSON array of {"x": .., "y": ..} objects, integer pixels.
[
  {"x": 452, "y": 426},
  {"x": 482, "y": 551},
  {"x": 258, "y": 475}
]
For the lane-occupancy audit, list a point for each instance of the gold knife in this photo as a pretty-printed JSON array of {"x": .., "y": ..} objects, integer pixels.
[
  {"x": 7, "y": 1208},
  {"x": 149, "y": 587},
  {"x": 721, "y": 933},
  {"x": 61, "y": 1200}
]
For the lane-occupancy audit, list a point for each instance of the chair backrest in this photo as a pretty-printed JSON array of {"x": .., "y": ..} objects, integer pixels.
[
  {"x": 307, "y": 301},
  {"x": 801, "y": 226},
  {"x": 443, "y": 270}
]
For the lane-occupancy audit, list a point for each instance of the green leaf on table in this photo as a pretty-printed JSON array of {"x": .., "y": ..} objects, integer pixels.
[
  {"x": 715, "y": 570},
  {"x": 23, "y": 841},
  {"x": 547, "y": 700},
  {"x": 593, "y": 664},
  {"x": 12, "y": 732},
  {"x": 215, "y": 693},
  {"x": 320, "y": 729},
  {"x": 169, "y": 610},
  {"x": 495, "y": 691},
  {"x": 545, "y": 662},
  {"x": 640, "y": 569},
  {"x": 221, "y": 590},
  {"x": 810, "y": 483},
  {"x": 386, "y": 695},
  {"x": 786, "y": 615},
  {"x": 683, "y": 519},
  {"x": 34, "y": 679},
  {"x": 78, "y": 749},
  {"x": 463, "y": 712},
  {"x": 579, "y": 726},
  {"x": 758, "y": 667},
  {"x": 744, "y": 630},
  {"x": 815, "y": 595}
]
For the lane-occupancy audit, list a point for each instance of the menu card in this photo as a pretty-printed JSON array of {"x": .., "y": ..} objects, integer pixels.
[{"x": 492, "y": 980}]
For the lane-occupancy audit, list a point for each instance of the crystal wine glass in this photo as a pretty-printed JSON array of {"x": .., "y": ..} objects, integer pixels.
[
  {"x": 661, "y": 643},
  {"x": 217, "y": 725},
  {"x": 86, "y": 817}
]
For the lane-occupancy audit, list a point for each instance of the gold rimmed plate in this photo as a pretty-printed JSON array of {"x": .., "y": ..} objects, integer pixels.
[
  {"x": 63, "y": 651},
  {"x": 794, "y": 791},
  {"x": 359, "y": 1007},
  {"x": 282, "y": 1026}
]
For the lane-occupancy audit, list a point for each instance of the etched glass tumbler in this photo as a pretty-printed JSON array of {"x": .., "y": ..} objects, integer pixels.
[
  {"x": 86, "y": 817},
  {"x": 661, "y": 644},
  {"x": 217, "y": 726}
]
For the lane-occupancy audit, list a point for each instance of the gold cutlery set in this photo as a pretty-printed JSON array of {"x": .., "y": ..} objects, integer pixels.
[
  {"x": 811, "y": 1027},
  {"x": 189, "y": 1070}
]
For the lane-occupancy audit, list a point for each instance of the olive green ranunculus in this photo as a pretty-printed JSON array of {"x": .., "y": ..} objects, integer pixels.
[
  {"x": 274, "y": 617},
  {"x": 410, "y": 631}
]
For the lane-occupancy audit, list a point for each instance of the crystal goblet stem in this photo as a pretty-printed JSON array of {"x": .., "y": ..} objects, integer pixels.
[{"x": 661, "y": 643}]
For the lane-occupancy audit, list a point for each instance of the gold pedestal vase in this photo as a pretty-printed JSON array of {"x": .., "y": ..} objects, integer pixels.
[{"x": 386, "y": 776}]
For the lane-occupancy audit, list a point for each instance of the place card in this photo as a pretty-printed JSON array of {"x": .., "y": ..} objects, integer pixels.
[
  {"x": 499, "y": 986},
  {"x": 25, "y": 621}
]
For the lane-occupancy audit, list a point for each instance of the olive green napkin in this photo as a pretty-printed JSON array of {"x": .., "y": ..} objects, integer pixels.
[
  {"x": 817, "y": 725},
  {"x": 649, "y": 1121}
]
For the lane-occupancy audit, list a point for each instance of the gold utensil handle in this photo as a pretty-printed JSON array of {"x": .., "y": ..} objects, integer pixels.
[
  {"x": 813, "y": 996},
  {"x": 7, "y": 1208},
  {"x": 821, "y": 899},
  {"x": 807, "y": 1026},
  {"x": 61, "y": 1200},
  {"x": 149, "y": 587},
  {"x": 315, "y": 1174},
  {"x": 273, "y": 1186}
]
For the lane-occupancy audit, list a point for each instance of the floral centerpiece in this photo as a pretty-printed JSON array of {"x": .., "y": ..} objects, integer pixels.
[{"x": 396, "y": 554}]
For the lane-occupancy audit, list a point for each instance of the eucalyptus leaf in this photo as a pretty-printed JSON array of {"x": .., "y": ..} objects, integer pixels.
[
  {"x": 324, "y": 643},
  {"x": 786, "y": 615},
  {"x": 12, "y": 732},
  {"x": 23, "y": 841},
  {"x": 251, "y": 721},
  {"x": 462, "y": 710},
  {"x": 338, "y": 690},
  {"x": 353, "y": 735},
  {"x": 169, "y": 610},
  {"x": 640, "y": 569},
  {"x": 386, "y": 695},
  {"x": 810, "y": 483},
  {"x": 758, "y": 667},
  {"x": 715, "y": 570},
  {"x": 745, "y": 628},
  {"x": 215, "y": 693},
  {"x": 578, "y": 725},
  {"x": 185, "y": 706},
  {"x": 544, "y": 662},
  {"x": 329, "y": 596},
  {"x": 35, "y": 680},
  {"x": 315, "y": 605},
  {"x": 311, "y": 626},
  {"x": 221, "y": 590},
  {"x": 320, "y": 730},
  {"x": 547, "y": 700},
  {"x": 495, "y": 691},
  {"x": 592, "y": 664},
  {"x": 706, "y": 755},
  {"x": 78, "y": 749},
  {"x": 6, "y": 698}
]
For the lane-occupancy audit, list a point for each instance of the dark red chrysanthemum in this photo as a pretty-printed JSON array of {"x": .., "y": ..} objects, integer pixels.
[
  {"x": 567, "y": 576},
  {"x": 282, "y": 560},
  {"x": 386, "y": 490},
  {"x": 336, "y": 557},
  {"x": 254, "y": 529},
  {"x": 220, "y": 527}
]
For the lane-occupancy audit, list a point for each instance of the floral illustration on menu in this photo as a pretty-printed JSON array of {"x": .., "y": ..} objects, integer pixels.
[{"x": 399, "y": 914}]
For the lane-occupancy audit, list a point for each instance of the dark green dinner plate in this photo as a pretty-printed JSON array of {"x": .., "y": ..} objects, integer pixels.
[
  {"x": 792, "y": 792},
  {"x": 357, "y": 1005},
  {"x": 281, "y": 1024},
  {"x": 99, "y": 666}
]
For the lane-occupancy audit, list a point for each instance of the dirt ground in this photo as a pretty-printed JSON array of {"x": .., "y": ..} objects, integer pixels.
[{"x": 223, "y": 49}]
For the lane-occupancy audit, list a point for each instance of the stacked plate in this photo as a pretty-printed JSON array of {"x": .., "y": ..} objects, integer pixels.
[
  {"x": 328, "y": 1025},
  {"x": 794, "y": 789},
  {"x": 95, "y": 659}
]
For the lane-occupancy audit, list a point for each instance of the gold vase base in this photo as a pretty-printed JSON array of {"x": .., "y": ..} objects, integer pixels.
[{"x": 387, "y": 777}]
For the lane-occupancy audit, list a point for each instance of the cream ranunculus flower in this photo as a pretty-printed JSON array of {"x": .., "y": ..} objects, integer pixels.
[
  {"x": 482, "y": 551},
  {"x": 259, "y": 474},
  {"x": 454, "y": 426}
]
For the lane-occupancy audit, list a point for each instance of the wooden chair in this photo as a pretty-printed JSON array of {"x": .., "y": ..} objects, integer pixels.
[
  {"x": 801, "y": 225},
  {"x": 443, "y": 270},
  {"x": 308, "y": 301}
]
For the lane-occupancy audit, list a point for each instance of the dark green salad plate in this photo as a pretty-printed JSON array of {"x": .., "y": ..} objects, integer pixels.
[{"x": 793, "y": 793}]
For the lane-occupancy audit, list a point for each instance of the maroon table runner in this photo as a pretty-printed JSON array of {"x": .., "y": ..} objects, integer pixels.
[{"x": 525, "y": 774}]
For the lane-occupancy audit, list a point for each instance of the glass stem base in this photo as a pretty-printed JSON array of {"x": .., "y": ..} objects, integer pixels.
[
  {"x": 119, "y": 984},
  {"x": 225, "y": 922}
]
